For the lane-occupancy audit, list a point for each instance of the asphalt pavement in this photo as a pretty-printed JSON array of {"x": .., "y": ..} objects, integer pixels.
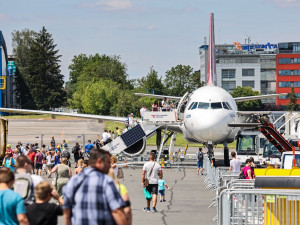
[{"x": 187, "y": 201}]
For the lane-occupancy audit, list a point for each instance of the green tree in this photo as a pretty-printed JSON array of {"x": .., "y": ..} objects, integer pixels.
[
  {"x": 99, "y": 67},
  {"x": 292, "y": 105},
  {"x": 21, "y": 43},
  {"x": 96, "y": 97},
  {"x": 181, "y": 79},
  {"x": 44, "y": 75},
  {"x": 253, "y": 105},
  {"x": 150, "y": 82}
]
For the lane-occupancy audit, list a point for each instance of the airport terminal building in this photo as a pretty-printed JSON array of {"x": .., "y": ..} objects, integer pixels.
[{"x": 254, "y": 65}]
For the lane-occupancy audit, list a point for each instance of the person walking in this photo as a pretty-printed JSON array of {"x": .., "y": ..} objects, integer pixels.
[
  {"x": 9, "y": 161},
  {"x": 76, "y": 150},
  {"x": 79, "y": 168},
  {"x": 235, "y": 164},
  {"x": 63, "y": 175},
  {"x": 11, "y": 203},
  {"x": 104, "y": 206},
  {"x": 161, "y": 189},
  {"x": 39, "y": 162},
  {"x": 200, "y": 157},
  {"x": 43, "y": 212},
  {"x": 88, "y": 147},
  {"x": 31, "y": 156},
  {"x": 124, "y": 194},
  {"x": 52, "y": 142},
  {"x": 248, "y": 172},
  {"x": 150, "y": 174}
]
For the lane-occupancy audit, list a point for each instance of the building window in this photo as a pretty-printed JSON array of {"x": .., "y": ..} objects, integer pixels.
[
  {"x": 247, "y": 72},
  {"x": 228, "y": 85},
  {"x": 296, "y": 60},
  {"x": 288, "y": 72},
  {"x": 284, "y": 84},
  {"x": 229, "y": 73},
  {"x": 248, "y": 83},
  {"x": 284, "y": 60},
  {"x": 297, "y": 84},
  {"x": 284, "y": 72}
]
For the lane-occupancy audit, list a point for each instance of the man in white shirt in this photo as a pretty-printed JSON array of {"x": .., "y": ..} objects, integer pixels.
[
  {"x": 151, "y": 171},
  {"x": 235, "y": 164},
  {"x": 142, "y": 110},
  {"x": 105, "y": 137}
]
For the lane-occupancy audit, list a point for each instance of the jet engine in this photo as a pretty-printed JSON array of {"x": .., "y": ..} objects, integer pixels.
[{"x": 136, "y": 149}]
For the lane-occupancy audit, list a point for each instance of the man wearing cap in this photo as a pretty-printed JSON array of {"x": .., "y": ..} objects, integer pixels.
[
  {"x": 9, "y": 161},
  {"x": 38, "y": 162}
]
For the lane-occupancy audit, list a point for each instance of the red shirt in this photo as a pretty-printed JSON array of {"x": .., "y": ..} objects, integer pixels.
[{"x": 31, "y": 156}]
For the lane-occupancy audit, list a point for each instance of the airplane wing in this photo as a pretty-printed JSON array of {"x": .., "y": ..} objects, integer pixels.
[
  {"x": 249, "y": 98},
  {"x": 159, "y": 96},
  {"x": 87, "y": 116}
]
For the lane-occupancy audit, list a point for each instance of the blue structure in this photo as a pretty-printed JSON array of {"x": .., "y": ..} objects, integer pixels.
[{"x": 3, "y": 64}]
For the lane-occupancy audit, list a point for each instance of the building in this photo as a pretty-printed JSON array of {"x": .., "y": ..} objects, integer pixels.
[
  {"x": 288, "y": 70},
  {"x": 7, "y": 69},
  {"x": 245, "y": 65}
]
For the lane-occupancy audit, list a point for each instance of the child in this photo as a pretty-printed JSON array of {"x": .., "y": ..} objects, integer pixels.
[
  {"x": 43, "y": 212},
  {"x": 44, "y": 167},
  {"x": 161, "y": 189},
  {"x": 85, "y": 164}
]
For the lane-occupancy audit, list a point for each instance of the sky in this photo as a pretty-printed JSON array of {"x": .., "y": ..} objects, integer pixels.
[{"x": 154, "y": 33}]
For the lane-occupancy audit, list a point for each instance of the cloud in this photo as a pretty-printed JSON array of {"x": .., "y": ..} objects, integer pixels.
[
  {"x": 285, "y": 3},
  {"x": 108, "y": 5}
]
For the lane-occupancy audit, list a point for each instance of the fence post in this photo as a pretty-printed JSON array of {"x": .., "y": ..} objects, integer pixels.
[
  {"x": 83, "y": 141},
  {"x": 42, "y": 139}
]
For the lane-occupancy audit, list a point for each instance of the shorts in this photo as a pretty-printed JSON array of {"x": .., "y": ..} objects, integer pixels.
[
  {"x": 152, "y": 188},
  {"x": 39, "y": 166},
  {"x": 76, "y": 158},
  {"x": 161, "y": 192},
  {"x": 32, "y": 164},
  {"x": 200, "y": 164}
]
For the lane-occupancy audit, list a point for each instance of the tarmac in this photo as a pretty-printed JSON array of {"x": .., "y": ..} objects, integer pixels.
[{"x": 187, "y": 201}]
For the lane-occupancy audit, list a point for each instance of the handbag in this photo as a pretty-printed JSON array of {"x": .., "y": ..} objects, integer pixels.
[
  {"x": 120, "y": 174},
  {"x": 147, "y": 194}
]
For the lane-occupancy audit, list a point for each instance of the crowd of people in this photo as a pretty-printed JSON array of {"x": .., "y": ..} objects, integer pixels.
[{"x": 92, "y": 195}]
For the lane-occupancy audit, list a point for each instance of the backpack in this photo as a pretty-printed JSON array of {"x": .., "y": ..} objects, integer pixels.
[
  {"x": 200, "y": 156},
  {"x": 242, "y": 175},
  {"x": 66, "y": 154},
  {"x": 24, "y": 186},
  {"x": 74, "y": 149}
]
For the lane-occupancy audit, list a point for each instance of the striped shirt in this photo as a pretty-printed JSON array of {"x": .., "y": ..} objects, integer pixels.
[{"x": 96, "y": 196}]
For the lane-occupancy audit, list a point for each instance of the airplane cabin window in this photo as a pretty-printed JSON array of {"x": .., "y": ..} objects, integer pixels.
[
  {"x": 194, "y": 106},
  {"x": 203, "y": 105},
  {"x": 191, "y": 105},
  {"x": 216, "y": 105},
  {"x": 226, "y": 105}
]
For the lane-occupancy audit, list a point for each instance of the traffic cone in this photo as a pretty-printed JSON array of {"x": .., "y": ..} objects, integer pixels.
[{"x": 125, "y": 162}]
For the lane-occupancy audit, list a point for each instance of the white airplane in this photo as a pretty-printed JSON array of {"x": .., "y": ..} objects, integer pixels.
[{"x": 208, "y": 114}]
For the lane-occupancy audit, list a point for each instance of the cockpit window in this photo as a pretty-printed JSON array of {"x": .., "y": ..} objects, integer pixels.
[
  {"x": 194, "y": 106},
  {"x": 216, "y": 105},
  {"x": 191, "y": 105},
  {"x": 203, "y": 105},
  {"x": 226, "y": 105}
]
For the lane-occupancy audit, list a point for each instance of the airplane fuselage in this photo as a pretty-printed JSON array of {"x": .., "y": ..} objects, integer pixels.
[{"x": 207, "y": 114}]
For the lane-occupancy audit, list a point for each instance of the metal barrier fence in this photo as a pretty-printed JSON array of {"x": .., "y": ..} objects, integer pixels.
[
  {"x": 238, "y": 202},
  {"x": 258, "y": 206}
]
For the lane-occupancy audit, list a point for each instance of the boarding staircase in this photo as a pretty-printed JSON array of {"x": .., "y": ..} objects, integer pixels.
[
  {"x": 152, "y": 121},
  {"x": 274, "y": 137}
]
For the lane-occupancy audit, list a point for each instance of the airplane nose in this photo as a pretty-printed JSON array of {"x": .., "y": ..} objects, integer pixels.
[{"x": 212, "y": 125}]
